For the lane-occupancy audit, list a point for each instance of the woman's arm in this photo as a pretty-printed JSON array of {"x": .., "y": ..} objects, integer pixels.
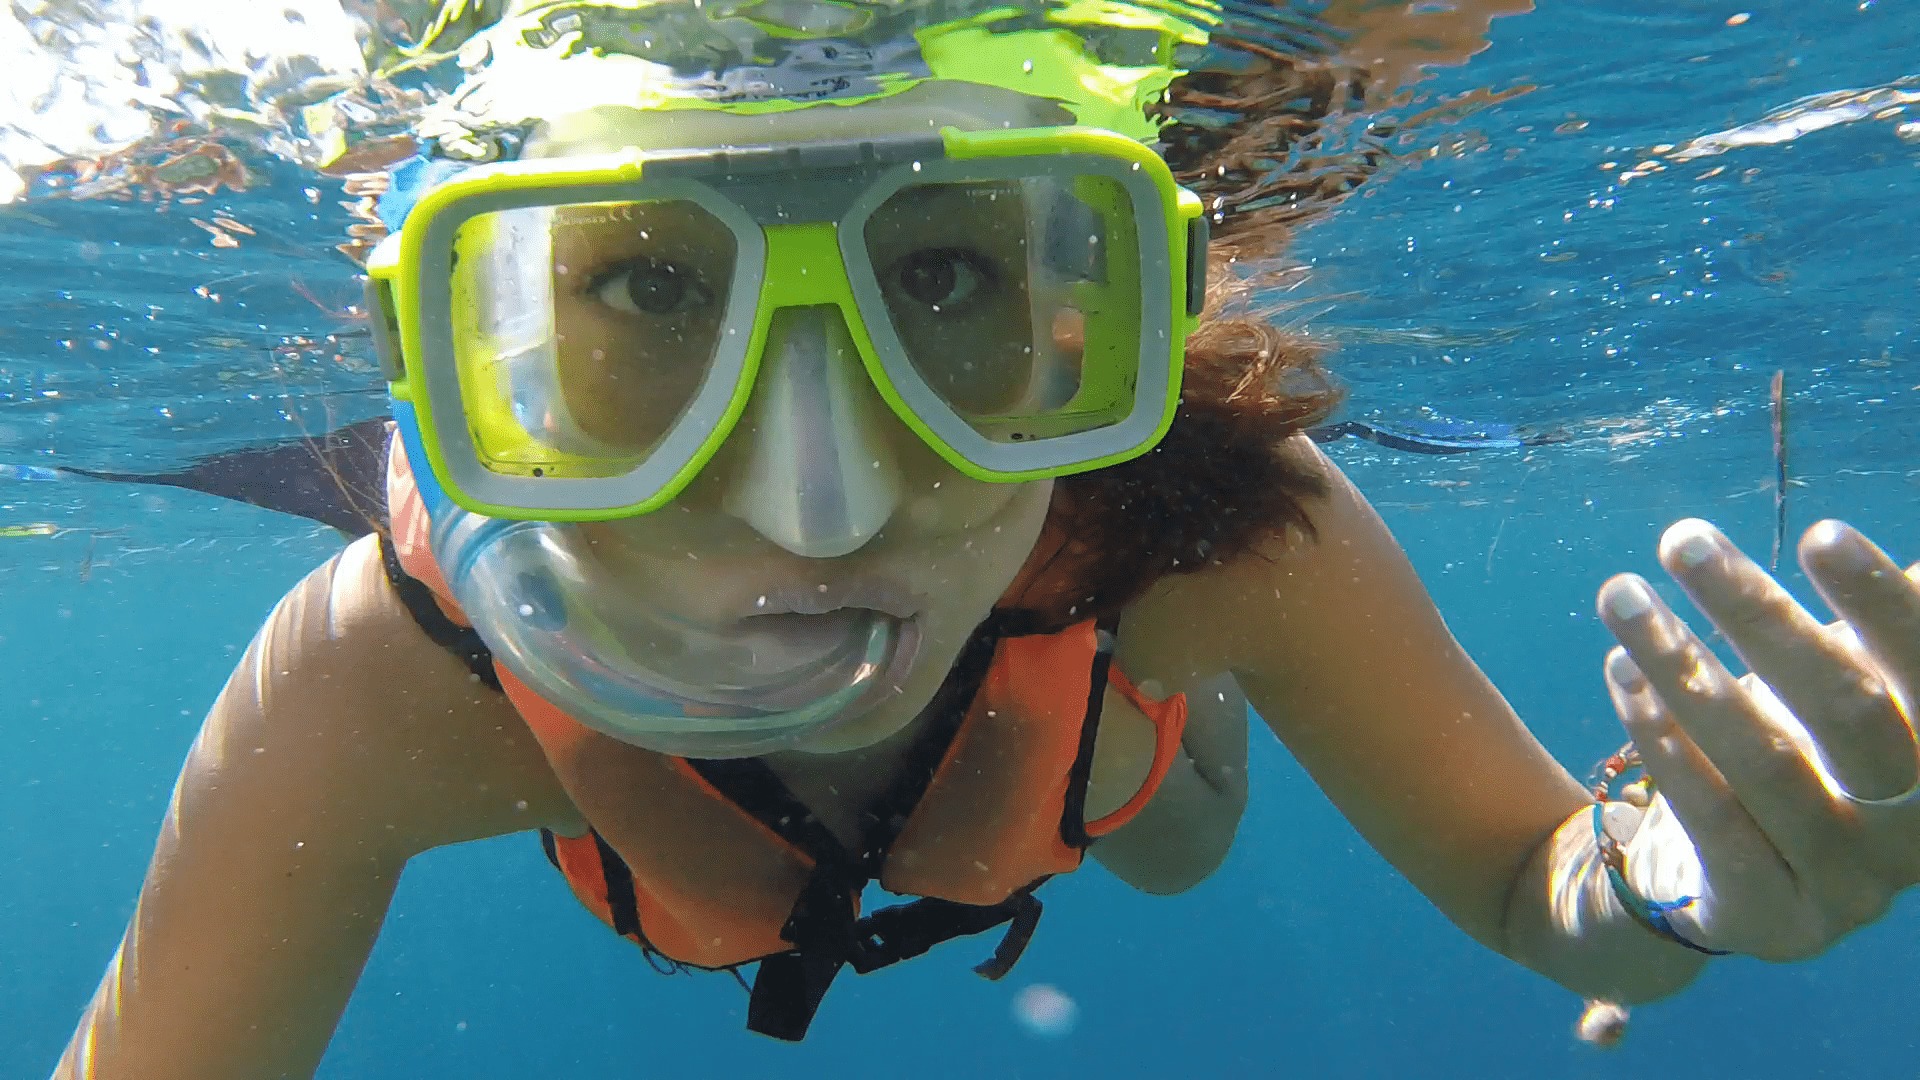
[
  {"x": 1184, "y": 833},
  {"x": 344, "y": 743},
  {"x": 1342, "y": 653}
]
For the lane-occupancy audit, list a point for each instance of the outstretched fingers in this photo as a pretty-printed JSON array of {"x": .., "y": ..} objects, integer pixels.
[
  {"x": 1881, "y": 606},
  {"x": 1835, "y": 693},
  {"x": 1733, "y": 749},
  {"x": 1730, "y": 842}
]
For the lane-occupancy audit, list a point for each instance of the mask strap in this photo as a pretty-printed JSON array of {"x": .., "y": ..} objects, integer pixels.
[{"x": 409, "y": 180}]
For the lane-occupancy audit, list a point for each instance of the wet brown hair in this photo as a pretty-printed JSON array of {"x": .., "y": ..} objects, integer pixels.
[
  {"x": 1223, "y": 479},
  {"x": 1220, "y": 481}
]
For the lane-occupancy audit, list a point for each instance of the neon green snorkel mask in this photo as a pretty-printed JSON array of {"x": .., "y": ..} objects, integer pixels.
[
  {"x": 812, "y": 176},
  {"x": 948, "y": 233}
]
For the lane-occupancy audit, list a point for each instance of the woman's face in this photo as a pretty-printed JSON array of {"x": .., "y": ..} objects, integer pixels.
[{"x": 639, "y": 293}]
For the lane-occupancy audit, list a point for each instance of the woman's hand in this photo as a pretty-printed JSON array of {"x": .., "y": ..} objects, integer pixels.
[{"x": 1788, "y": 799}]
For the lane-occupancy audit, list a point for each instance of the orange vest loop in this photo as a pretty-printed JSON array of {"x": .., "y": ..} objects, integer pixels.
[{"x": 990, "y": 804}]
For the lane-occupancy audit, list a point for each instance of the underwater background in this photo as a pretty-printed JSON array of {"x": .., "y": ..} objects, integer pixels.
[{"x": 1636, "y": 215}]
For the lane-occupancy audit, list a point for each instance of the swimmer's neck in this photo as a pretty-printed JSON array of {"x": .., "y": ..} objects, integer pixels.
[{"x": 840, "y": 787}]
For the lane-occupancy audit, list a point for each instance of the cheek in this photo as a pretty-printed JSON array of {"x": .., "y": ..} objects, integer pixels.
[
  {"x": 956, "y": 505},
  {"x": 940, "y": 500},
  {"x": 974, "y": 536}
]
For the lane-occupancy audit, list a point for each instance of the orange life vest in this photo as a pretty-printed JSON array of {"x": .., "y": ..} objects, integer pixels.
[{"x": 988, "y": 806}]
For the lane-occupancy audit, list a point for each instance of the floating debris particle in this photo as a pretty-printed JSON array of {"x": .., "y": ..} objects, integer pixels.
[
  {"x": 1602, "y": 1024},
  {"x": 1046, "y": 1011}
]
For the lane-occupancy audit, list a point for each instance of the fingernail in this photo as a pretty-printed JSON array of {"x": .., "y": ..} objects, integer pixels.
[
  {"x": 1623, "y": 671},
  {"x": 1691, "y": 543},
  {"x": 1629, "y": 600},
  {"x": 1843, "y": 547}
]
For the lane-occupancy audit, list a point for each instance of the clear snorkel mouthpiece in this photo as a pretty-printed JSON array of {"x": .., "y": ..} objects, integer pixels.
[{"x": 566, "y": 625}]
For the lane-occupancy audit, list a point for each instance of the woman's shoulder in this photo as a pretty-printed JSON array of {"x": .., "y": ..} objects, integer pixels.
[
  {"x": 345, "y": 624},
  {"x": 1341, "y": 651},
  {"x": 1285, "y": 586},
  {"x": 341, "y": 668}
]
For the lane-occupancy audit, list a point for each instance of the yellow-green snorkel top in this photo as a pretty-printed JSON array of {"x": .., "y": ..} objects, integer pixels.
[{"x": 1104, "y": 61}]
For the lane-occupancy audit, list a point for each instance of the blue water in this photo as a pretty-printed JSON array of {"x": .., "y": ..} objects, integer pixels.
[{"x": 1515, "y": 281}]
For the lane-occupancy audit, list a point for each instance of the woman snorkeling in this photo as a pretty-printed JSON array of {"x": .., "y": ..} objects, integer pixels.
[{"x": 842, "y": 457}]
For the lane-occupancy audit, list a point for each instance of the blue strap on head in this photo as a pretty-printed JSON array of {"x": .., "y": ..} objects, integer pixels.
[
  {"x": 432, "y": 495},
  {"x": 409, "y": 180}
]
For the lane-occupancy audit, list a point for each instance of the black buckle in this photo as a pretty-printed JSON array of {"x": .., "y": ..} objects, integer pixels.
[
  {"x": 905, "y": 931},
  {"x": 788, "y": 988}
]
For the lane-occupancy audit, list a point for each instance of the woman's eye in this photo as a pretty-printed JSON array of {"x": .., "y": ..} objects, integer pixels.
[
  {"x": 941, "y": 277},
  {"x": 649, "y": 287}
]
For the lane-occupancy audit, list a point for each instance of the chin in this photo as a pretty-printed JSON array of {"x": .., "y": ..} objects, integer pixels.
[
  {"x": 877, "y": 726},
  {"x": 881, "y": 721}
]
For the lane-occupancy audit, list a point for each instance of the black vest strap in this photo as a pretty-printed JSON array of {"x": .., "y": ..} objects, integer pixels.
[
  {"x": 1026, "y": 919},
  {"x": 788, "y": 988},
  {"x": 1073, "y": 819},
  {"x": 752, "y": 786},
  {"x": 462, "y": 641},
  {"x": 618, "y": 878},
  {"x": 905, "y": 931},
  {"x": 826, "y": 936}
]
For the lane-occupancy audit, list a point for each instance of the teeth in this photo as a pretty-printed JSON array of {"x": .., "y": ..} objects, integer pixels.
[
  {"x": 824, "y": 599},
  {"x": 801, "y": 605}
]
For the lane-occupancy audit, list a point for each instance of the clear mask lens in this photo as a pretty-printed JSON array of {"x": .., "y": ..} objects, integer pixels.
[
  {"x": 593, "y": 341},
  {"x": 1014, "y": 301},
  {"x": 584, "y": 333}
]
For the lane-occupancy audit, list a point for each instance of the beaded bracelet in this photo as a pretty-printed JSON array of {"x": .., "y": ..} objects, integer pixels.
[{"x": 1652, "y": 914}]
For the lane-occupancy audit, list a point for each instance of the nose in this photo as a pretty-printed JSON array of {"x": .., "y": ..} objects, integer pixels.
[{"x": 816, "y": 474}]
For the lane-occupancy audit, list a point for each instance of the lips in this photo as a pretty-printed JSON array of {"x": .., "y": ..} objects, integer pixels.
[
  {"x": 814, "y": 611},
  {"x": 837, "y": 640},
  {"x": 871, "y": 593}
]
